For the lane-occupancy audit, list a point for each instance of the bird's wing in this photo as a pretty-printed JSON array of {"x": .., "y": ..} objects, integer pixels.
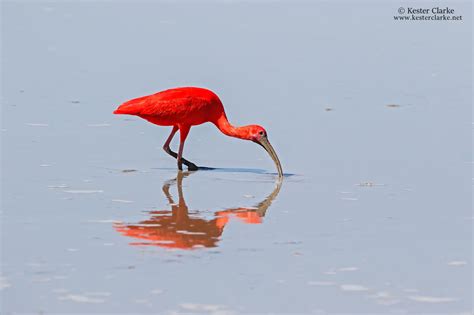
[
  {"x": 151, "y": 105},
  {"x": 192, "y": 106},
  {"x": 157, "y": 105}
]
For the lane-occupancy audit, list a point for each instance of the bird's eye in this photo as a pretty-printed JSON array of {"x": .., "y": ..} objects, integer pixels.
[{"x": 261, "y": 133}]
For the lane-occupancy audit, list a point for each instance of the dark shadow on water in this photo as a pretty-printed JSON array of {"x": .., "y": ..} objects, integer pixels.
[
  {"x": 180, "y": 229},
  {"x": 231, "y": 170}
]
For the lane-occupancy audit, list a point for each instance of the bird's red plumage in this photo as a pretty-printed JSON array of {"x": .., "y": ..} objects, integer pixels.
[{"x": 186, "y": 106}]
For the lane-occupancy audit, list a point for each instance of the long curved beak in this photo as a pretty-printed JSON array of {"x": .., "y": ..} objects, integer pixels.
[{"x": 268, "y": 147}]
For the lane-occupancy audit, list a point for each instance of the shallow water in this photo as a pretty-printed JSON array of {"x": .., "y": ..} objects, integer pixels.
[{"x": 371, "y": 120}]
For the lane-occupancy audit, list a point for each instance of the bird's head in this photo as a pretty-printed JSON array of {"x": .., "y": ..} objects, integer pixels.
[{"x": 258, "y": 134}]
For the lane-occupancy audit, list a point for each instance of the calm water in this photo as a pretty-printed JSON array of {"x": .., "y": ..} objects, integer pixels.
[{"x": 371, "y": 119}]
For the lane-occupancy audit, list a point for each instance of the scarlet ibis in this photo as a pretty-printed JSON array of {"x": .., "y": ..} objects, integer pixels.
[
  {"x": 185, "y": 107},
  {"x": 175, "y": 228}
]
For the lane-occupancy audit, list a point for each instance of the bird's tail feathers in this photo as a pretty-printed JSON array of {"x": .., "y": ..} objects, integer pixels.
[{"x": 132, "y": 107}]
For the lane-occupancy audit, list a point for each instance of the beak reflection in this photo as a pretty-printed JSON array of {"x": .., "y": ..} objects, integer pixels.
[{"x": 177, "y": 228}]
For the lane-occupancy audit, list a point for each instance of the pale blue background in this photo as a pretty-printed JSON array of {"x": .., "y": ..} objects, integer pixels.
[{"x": 278, "y": 64}]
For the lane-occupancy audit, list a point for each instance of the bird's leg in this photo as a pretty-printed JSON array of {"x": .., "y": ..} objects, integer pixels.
[
  {"x": 183, "y": 133},
  {"x": 191, "y": 166},
  {"x": 166, "y": 146}
]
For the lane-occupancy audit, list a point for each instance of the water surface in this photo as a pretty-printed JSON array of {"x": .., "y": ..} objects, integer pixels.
[{"x": 370, "y": 117}]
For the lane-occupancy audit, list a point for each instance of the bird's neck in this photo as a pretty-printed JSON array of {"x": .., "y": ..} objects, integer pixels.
[{"x": 228, "y": 129}]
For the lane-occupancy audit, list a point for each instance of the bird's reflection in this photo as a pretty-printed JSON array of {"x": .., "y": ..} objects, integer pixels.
[{"x": 176, "y": 228}]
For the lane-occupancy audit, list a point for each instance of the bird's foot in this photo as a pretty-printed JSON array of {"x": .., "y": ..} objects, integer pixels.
[
  {"x": 180, "y": 166},
  {"x": 192, "y": 167}
]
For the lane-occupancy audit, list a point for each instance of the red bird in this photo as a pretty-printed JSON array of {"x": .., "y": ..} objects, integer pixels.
[{"x": 185, "y": 107}]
